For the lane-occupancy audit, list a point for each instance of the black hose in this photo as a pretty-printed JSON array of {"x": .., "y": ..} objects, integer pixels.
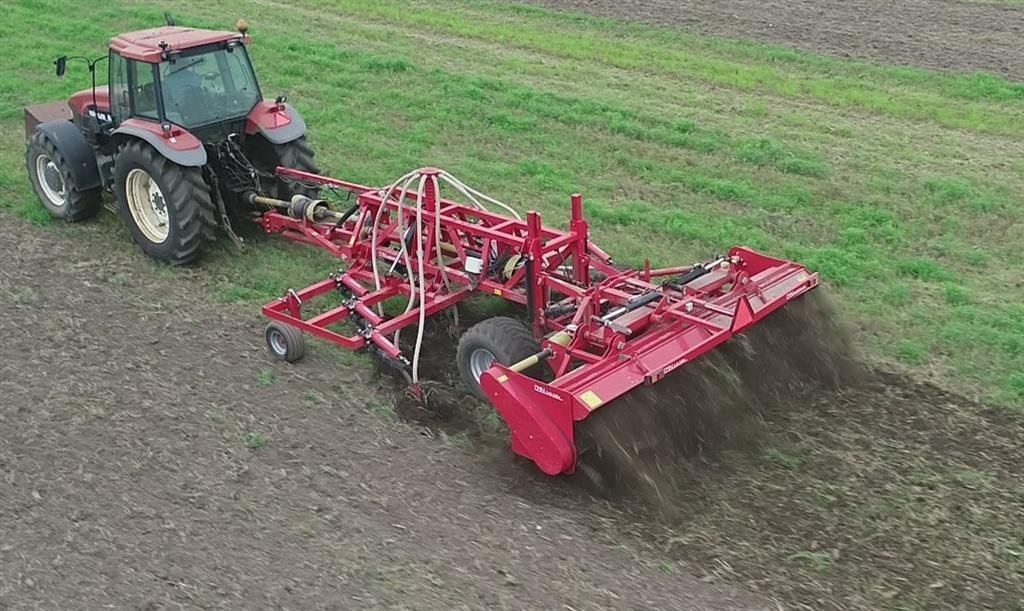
[
  {"x": 695, "y": 272},
  {"x": 348, "y": 214},
  {"x": 558, "y": 310},
  {"x": 642, "y": 300}
]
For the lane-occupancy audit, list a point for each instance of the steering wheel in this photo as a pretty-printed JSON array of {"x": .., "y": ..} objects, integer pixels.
[{"x": 190, "y": 98}]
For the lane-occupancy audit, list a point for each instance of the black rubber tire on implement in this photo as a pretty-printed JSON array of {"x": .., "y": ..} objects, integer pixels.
[
  {"x": 191, "y": 215},
  {"x": 297, "y": 155},
  {"x": 77, "y": 205},
  {"x": 284, "y": 342},
  {"x": 507, "y": 339}
]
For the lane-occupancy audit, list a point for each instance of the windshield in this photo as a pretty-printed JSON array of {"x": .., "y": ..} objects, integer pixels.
[{"x": 206, "y": 87}]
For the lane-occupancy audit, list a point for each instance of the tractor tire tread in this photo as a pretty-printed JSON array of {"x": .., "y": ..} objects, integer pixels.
[
  {"x": 298, "y": 155},
  {"x": 81, "y": 204},
  {"x": 194, "y": 215},
  {"x": 507, "y": 338}
]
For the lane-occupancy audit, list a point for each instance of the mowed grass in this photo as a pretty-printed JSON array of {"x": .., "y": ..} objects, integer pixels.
[{"x": 902, "y": 187}]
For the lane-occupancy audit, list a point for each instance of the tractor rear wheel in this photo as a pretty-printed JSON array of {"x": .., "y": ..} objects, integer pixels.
[
  {"x": 500, "y": 339},
  {"x": 55, "y": 185},
  {"x": 296, "y": 154},
  {"x": 167, "y": 207}
]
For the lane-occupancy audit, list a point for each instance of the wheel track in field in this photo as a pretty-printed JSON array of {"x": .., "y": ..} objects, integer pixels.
[{"x": 938, "y": 34}]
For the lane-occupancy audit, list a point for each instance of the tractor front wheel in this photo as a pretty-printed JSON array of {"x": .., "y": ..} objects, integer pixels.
[
  {"x": 500, "y": 339},
  {"x": 55, "y": 185},
  {"x": 167, "y": 207}
]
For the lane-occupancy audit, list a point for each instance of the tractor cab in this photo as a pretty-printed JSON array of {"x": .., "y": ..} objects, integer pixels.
[
  {"x": 182, "y": 76},
  {"x": 186, "y": 77}
]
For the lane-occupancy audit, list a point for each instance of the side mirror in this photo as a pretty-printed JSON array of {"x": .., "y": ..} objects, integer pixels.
[{"x": 62, "y": 64}]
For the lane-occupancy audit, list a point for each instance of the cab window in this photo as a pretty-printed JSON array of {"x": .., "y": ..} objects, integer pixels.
[
  {"x": 120, "y": 105},
  {"x": 206, "y": 87},
  {"x": 143, "y": 81}
]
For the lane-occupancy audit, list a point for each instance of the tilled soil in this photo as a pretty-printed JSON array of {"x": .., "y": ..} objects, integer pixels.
[
  {"x": 152, "y": 457},
  {"x": 941, "y": 34},
  {"x": 781, "y": 462}
]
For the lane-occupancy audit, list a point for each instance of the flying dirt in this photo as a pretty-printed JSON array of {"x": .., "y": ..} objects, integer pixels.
[{"x": 649, "y": 446}]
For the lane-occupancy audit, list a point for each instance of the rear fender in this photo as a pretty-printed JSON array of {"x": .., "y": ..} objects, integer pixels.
[
  {"x": 81, "y": 157},
  {"x": 278, "y": 123},
  {"x": 178, "y": 145},
  {"x": 539, "y": 418}
]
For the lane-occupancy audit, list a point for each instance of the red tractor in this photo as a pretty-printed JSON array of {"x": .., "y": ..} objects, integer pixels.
[{"x": 178, "y": 134}]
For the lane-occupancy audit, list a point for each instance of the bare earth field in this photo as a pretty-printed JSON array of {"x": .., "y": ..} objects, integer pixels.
[
  {"x": 129, "y": 409},
  {"x": 152, "y": 457},
  {"x": 939, "y": 34}
]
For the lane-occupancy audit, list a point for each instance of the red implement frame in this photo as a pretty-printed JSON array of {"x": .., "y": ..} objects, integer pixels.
[{"x": 601, "y": 338}]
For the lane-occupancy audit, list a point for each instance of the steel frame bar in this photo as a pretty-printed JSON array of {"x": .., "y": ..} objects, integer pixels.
[{"x": 622, "y": 331}]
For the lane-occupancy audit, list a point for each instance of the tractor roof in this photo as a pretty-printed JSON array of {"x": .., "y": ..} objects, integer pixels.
[{"x": 144, "y": 45}]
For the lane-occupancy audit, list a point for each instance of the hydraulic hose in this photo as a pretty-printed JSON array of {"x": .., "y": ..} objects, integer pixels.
[{"x": 417, "y": 277}]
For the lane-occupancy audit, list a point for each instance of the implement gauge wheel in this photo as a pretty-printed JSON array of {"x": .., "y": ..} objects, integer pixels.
[
  {"x": 285, "y": 342},
  {"x": 500, "y": 339},
  {"x": 54, "y": 184}
]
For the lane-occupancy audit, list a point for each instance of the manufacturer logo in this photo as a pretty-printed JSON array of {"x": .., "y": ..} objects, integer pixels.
[
  {"x": 672, "y": 367},
  {"x": 102, "y": 116},
  {"x": 545, "y": 392}
]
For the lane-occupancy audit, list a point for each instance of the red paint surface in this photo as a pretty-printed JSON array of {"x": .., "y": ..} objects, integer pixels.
[
  {"x": 144, "y": 45},
  {"x": 628, "y": 329},
  {"x": 177, "y": 138},
  {"x": 81, "y": 101},
  {"x": 266, "y": 116}
]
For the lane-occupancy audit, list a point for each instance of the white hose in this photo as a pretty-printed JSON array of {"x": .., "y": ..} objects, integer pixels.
[
  {"x": 376, "y": 223},
  {"x": 437, "y": 233},
  {"x": 404, "y": 251},
  {"x": 417, "y": 278},
  {"x": 423, "y": 288},
  {"x": 437, "y": 247},
  {"x": 469, "y": 192}
]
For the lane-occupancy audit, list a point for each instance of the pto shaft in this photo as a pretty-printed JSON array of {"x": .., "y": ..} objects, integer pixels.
[{"x": 301, "y": 207}]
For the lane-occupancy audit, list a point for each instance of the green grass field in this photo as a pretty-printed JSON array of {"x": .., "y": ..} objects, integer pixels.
[{"x": 903, "y": 187}]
